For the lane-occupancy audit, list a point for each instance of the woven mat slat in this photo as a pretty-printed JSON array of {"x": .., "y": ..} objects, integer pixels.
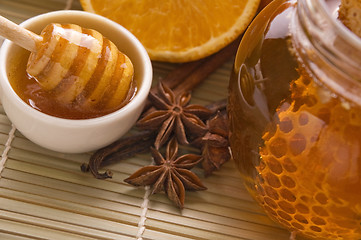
[
  {"x": 45, "y": 224},
  {"x": 60, "y": 214},
  {"x": 11, "y": 236}
]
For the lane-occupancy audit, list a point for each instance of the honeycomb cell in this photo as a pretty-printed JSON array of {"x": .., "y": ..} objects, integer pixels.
[
  {"x": 288, "y": 181},
  {"x": 318, "y": 221},
  {"x": 278, "y": 147},
  {"x": 302, "y": 208},
  {"x": 270, "y": 202},
  {"x": 289, "y": 165},
  {"x": 284, "y": 106},
  {"x": 271, "y": 193},
  {"x": 284, "y": 215},
  {"x": 288, "y": 195},
  {"x": 305, "y": 80},
  {"x": 310, "y": 101},
  {"x": 297, "y": 104},
  {"x": 303, "y": 119},
  {"x": 286, "y": 125},
  {"x": 297, "y": 144},
  {"x": 263, "y": 151},
  {"x": 287, "y": 207},
  {"x": 321, "y": 198},
  {"x": 298, "y": 89},
  {"x": 272, "y": 180},
  {"x": 305, "y": 199},
  {"x": 298, "y": 226},
  {"x": 270, "y": 210},
  {"x": 284, "y": 222},
  {"x": 274, "y": 165},
  {"x": 320, "y": 211},
  {"x": 260, "y": 190},
  {"x": 314, "y": 138},
  {"x": 261, "y": 166},
  {"x": 316, "y": 229},
  {"x": 301, "y": 218}
]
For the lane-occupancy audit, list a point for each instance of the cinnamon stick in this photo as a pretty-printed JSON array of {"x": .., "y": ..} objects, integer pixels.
[
  {"x": 188, "y": 75},
  {"x": 207, "y": 67},
  {"x": 177, "y": 75}
]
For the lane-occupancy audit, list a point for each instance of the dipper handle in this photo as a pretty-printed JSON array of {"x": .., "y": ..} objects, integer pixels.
[{"x": 19, "y": 35}]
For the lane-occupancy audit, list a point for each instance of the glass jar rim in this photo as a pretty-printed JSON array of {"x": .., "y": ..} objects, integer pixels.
[
  {"x": 329, "y": 51},
  {"x": 338, "y": 25}
]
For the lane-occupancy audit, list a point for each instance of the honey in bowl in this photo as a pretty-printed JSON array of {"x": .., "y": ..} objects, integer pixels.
[
  {"x": 295, "y": 118},
  {"x": 75, "y": 73}
]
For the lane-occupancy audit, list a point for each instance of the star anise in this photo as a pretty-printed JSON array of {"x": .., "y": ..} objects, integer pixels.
[
  {"x": 173, "y": 114},
  {"x": 170, "y": 174},
  {"x": 214, "y": 144}
]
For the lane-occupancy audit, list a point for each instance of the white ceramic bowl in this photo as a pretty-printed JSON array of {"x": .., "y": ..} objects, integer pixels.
[{"x": 76, "y": 136}]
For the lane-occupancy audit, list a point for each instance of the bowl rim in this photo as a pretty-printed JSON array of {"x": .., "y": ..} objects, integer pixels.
[{"x": 136, "y": 102}]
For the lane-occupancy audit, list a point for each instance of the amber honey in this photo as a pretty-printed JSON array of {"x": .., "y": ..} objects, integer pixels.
[
  {"x": 296, "y": 142},
  {"x": 30, "y": 91}
]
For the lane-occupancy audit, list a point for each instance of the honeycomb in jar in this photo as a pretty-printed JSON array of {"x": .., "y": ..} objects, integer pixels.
[{"x": 309, "y": 177}]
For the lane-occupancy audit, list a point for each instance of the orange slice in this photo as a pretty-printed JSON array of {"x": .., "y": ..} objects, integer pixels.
[{"x": 179, "y": 31}]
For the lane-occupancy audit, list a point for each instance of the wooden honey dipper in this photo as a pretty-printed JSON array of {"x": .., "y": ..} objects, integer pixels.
[{"x": 75, "y": 63}]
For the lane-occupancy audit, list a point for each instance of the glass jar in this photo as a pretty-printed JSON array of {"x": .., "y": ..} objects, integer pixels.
[{"x": 295, "y": 118}]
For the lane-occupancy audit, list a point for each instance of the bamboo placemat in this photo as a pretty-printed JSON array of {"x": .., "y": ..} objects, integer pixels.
[{"x": 44, "y": 195}]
